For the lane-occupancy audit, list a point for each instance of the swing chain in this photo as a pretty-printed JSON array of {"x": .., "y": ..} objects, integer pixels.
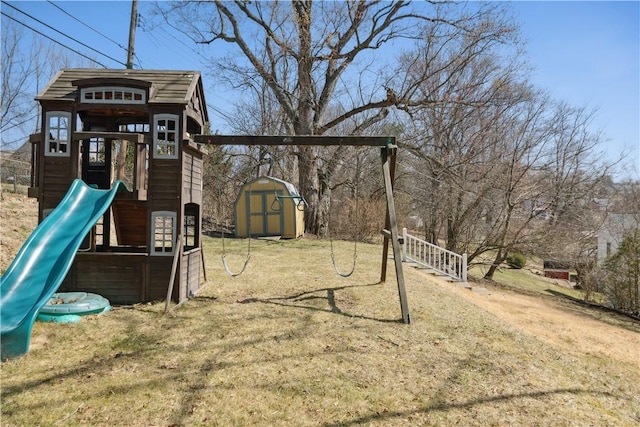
[
  {"x": 225, "y": 265},
  {"x": 355, "y": 237}
]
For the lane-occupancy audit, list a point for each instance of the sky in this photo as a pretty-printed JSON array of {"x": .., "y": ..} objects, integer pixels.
[{"x": 586, "y": 53}]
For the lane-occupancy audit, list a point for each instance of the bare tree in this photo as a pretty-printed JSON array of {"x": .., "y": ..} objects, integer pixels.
[
  {"x": 313, "y": 56},
  {"x": 576, "y": 166},
  {"x": 486, "y": 170},
  {"x": 461, "y": 146},
  {"x": 19, "y": 70},
  {"x": 27, "y": 65},
  {"x": 622, "y": 279}
]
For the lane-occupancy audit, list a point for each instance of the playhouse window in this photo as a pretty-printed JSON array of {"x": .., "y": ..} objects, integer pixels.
[
  {"x": 165, "y": 136},
  {"x": 112, "y": 95},
  {"x": 96, "y": 152},
  {"x": 135, "y": 128},
  {"x": 163, "y": 232},
  {"x": 190, "y": 226},
  {"x": 58, "y": 127}
]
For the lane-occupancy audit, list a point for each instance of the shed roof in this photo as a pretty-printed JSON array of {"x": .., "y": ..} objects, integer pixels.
[
  {"x": 289, "y": 186},
  {"x": 557, "y": 264},
  {"x": 170, "y": 87}
]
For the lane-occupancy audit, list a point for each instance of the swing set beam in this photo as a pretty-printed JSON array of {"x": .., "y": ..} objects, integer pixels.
[
  {"x": 285, "y": 140},
  {"x": 388, "y": 153}
]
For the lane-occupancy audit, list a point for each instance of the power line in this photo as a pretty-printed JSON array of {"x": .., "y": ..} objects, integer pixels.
[
  {"x": 155, "y": 36},
  {"x": 85, "y": 24},
  {"x": 60, "y": 32},
  {"x": 53, "y": 40},
  {"x": 199, "y": 54},
  {"x": 11, "y": 126}
]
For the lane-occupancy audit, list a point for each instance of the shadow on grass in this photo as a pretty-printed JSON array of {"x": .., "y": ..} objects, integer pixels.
[
  {"x": 191, "y": 382},
  {"x": 134, "y": 347},
  {"x": 465, "y": 405},
  {"x": 292, "y": 301},
  {"x": 600, "y": 308}
]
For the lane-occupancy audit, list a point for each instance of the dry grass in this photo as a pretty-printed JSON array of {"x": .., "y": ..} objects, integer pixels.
[
  {"x": 18, "y": 218},
  {"x": 529, "y": 280},
  {"x": 291, "y": 343}
]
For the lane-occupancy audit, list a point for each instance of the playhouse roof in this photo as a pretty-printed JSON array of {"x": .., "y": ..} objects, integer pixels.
[{"x": 167, "y": 86}]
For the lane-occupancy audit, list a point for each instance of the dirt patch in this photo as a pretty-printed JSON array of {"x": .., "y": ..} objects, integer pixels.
[{"x": 570, "y": 327}]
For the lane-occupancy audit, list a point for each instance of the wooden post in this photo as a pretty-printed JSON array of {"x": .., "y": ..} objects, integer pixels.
[
  {"x": 174, "y": 267},
  {"x": 204, "y": 266},
  {"x": 388, "y": 170},
  {"x": 387, "y": 223}
]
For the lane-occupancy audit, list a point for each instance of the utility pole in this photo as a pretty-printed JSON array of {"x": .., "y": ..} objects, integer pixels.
[
  {"x": 132, "y": 33},
  {"x": 121, "y": 158}
]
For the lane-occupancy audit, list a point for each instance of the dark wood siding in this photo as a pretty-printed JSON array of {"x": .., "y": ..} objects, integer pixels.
[
  {"x": 160, "y": 271},
  {"x": 117, "y": 277},
  {"x": 57, "y": 178},
  {"x": 192, "y": 178},
  {"x": 165, "y": 185},
  {"x": 130, "y": 218},
  {"x": 190, "y": 274}
]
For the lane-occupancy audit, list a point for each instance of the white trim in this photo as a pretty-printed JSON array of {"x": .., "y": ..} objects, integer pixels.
[
  {"x": 112, "y": 95},
  {"x": 160, "y": 250},
  {"x": 55, "y": 133},
  {"x": 434, "y": 257},
  {"x": 160, "y": 145}
]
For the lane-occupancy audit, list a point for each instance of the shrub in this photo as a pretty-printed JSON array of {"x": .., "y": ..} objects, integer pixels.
[{"x": 516, "y": 260}]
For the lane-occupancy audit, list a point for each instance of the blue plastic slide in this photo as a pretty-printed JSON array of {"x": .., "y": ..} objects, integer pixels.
[{"x": 44, "y": 260}]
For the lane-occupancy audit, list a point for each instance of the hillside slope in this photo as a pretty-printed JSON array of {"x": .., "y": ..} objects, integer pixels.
[
  {"x": 290, "y": 343},
  {"x": 18, "y": 218}
]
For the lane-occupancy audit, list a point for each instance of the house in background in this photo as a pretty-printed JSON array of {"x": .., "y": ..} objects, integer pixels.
[{"x": 613, "y": 231}]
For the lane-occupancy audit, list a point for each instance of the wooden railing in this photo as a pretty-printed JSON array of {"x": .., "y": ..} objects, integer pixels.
[{"x": 434, "y": 257}]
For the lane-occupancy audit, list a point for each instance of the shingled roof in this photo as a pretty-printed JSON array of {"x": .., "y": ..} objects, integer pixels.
[{"x": 170, "y": 87}]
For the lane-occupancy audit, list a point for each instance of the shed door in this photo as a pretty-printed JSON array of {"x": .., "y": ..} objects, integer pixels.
[{"x": 265, "y": 214}]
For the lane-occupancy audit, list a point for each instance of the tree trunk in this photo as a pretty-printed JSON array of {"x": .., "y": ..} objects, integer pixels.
[
  {"x": 500, "y": 257},
  {"x": 452, "y": 235},
  {"x": 309, "y": 186},
  {"x": 121, "y": 161}
]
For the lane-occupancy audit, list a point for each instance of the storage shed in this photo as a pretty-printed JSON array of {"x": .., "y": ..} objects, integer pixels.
[
  {"x": 268, "y": 206},
  {"x": 557, "y": 269}
]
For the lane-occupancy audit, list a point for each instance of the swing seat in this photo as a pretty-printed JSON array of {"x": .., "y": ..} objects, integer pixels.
[{"x": 228, "y": 270}]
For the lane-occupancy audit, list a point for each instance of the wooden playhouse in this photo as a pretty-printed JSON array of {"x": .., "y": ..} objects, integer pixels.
[
  {"x": 268, "y": 206},
  {"x": 155, "y": 226}
]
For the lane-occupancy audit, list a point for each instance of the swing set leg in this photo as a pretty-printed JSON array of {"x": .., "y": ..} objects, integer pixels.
[{"x": 388, "y": 156}]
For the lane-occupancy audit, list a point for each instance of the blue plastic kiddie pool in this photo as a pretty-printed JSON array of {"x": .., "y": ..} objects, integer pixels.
[{"x": 67, "y": 307}]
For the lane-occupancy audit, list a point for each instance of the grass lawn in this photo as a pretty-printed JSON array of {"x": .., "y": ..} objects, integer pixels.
[
  {"x": 526, "y": 280},
  {"x": 289, "y": 342}
]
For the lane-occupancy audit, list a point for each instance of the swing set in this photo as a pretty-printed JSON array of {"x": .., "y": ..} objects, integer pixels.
[{"x": 388, "y": 156}]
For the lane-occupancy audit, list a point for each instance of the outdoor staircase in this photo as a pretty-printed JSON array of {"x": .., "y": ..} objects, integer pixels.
[
  {"x": 440, "y": 261},
  {"x": 437, "y": 261}
]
